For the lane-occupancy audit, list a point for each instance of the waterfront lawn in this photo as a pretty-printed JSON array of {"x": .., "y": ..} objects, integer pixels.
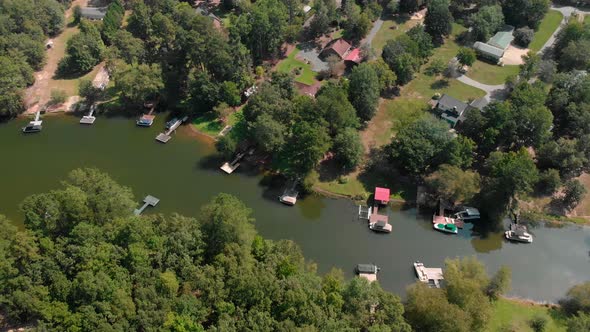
[
  {"x": 508, "y": 313},
  {"x": 548, "y": 25},
  {"x": 487, "y": 73},
  {"x": 290, "y": 64},
  {"x": 208, "y": 124}
]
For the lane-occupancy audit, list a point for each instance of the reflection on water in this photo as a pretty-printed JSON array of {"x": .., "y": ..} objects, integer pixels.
[
  {"x": 311, "y": 207},
  {"x": 184, "y": 175},
  {"x": 488, "y": 243}
]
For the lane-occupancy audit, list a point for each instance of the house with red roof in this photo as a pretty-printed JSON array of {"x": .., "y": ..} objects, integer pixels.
[{"x": 338, "y": 47}]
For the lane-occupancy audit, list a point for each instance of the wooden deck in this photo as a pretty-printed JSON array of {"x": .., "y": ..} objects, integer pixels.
[
  {"x": 149, "y": 200},
  {"x": 371, "y": 277}
]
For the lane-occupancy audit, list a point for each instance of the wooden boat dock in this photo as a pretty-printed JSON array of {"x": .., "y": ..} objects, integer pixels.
[
  {"x": 230, "y": 167},
  {"x": 429, "y": 275},
  {"x": 147, "y": 201},
  {"x": 89, "y": 119},
  {"x": 165, "y": 137},
  {"x": 147, "y": 119}
]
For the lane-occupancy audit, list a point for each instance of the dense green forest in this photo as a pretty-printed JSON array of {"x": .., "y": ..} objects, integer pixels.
[{"x": 84, "y": 262}]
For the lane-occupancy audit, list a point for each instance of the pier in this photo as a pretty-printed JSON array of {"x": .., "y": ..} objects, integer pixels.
[
  {"x": 165, "y": 137},
  {"x": 146, "y": 120},
  {"x": 230, "y": 167},
  {"x": 433, "y": 276},
  {"x": 147, "y": 201},
  {"x": 89, "y": 119}
]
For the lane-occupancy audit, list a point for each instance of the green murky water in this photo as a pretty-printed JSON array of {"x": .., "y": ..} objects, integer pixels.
[{"x": 184, "y": 175}]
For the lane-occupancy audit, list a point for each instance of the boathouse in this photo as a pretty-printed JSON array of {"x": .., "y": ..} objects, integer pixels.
[{"x": 381, "y": 195}]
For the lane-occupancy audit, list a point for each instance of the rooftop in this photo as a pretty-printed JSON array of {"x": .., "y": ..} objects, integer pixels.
[
  {"x": 354, "y": 56},
  {"x": 339, "y": 46},
  {"x": 502, "y": 38},
  {"x": 382, "y": 194},
  {"x": 488, "y": 50}
]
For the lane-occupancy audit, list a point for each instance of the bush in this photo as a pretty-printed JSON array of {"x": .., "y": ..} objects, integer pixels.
[
  {"x": 58, "y": 97},
  {"x": 523, "y": 36},
  {"x": 538, "y": 323},
  {"x": 574, "y": 193}
]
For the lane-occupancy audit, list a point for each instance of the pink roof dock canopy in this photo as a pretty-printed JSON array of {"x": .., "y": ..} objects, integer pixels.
[{"x": 382, "y": 194}]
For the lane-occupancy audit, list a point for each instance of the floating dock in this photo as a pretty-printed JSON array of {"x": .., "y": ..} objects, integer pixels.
[
  {"x": 165, "y": 137},
  {"x": 147, "y": 201},
  {"x": 364, "y": 212},
  {"x": 89, "y": 119},
  {"x": 429, "y": 275}
]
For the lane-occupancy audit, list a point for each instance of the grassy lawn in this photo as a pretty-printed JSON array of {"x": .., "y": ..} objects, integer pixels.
[
  {"x": 486, "y": 73},
  {"x": 546, "y": 29},
  {"x": 587, "y": 19},
  {"x": 390, "y": 29},
  {"x": 517, "y": 316},
  {"x": 208, "y": 124},
  {"x": 288, "y": 65},
  {"x": 424, "y": 86}
]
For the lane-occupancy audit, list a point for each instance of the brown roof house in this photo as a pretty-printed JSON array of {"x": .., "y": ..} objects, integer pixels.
[{"x": 338, "y": 47}]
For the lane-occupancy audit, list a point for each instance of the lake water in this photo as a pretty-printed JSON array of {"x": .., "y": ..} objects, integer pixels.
[{"x": 184, "y": 175}]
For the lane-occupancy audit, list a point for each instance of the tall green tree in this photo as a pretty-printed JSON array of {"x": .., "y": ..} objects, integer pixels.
[
  {"x": 453, "y": 184},
  {"x": 363, "y": 90},
  {"x": 438, "y": 21},
  {"x": 348, "y": 148},
  {"x": 308, "y": 144},
  {"x": 138, "y": 83},
  {"x": 487, "y": 21}
]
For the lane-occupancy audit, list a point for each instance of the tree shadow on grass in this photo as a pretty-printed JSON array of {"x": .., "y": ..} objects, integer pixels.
[
  {"x": 439, "y": 84},
  {"x": 379, "y": 172}
]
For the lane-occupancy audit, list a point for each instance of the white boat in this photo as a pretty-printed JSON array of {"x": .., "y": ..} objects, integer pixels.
[
  {"x": 289, "y": 196},
  {"x": 446, "y": 228},
  {"x": 33, "y": 127},
  {"x": 468, "y": 213},
  {"x": 419, "y": 268},
  {"x": 518, "y": 233},
  {"x": 381, "y": 226}
]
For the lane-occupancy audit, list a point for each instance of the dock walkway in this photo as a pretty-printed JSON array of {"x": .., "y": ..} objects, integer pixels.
[{"x": 90, "y": 118}]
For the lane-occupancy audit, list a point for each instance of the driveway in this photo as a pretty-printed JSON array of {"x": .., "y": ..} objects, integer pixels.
[
  {"x": 566, "y": 11},
  {"x": 376, "y": 26},
  {"x": 310, "y": 53},
  {"x": 493, "y": 92}
]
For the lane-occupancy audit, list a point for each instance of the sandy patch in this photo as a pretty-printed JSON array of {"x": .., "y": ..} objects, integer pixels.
[
  {"x": 419, "y": 15},
  {"x": 513, "y": 55}
]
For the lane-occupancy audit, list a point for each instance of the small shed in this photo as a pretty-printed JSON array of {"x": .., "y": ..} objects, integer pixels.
[
  {"x": 93, "y": 13},
  {"x": 381, "y": 195}
]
